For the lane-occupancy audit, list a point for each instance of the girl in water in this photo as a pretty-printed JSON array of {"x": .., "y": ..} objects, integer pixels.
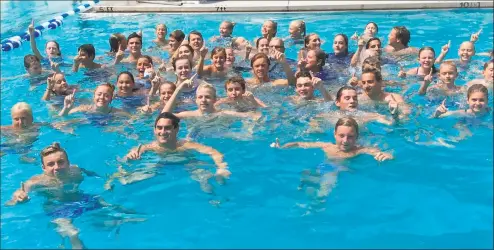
[
  {"x": 260, "y": 69},
  {"x": 183, "y": 71},
  {"x": 427, "y": 59},
  {"x": 52, "y": 48},
  {"x": 370, "y": 31},
  {"x": 166, "y": 90},
  {"x": 118, "y": 42},
  {"x": 488, "y": 74},
  {"x": 314, "y": 63},
  {"x": 311, "y": 42},
  {"x": 225, "y": 37},
  {"x": 477, "y": 99},
  {"x": 269, "y": 29},
  {"x": 161, "y": 32},
  {"x": 340, "y": 56},
  {"x": 57, "y": 86},
  {"x": 297, "y": 31},
  {"x": 446, "y": 84}
]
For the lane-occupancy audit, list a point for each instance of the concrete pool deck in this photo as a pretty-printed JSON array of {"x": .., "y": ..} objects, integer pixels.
[{"x": 176, "y": 6}]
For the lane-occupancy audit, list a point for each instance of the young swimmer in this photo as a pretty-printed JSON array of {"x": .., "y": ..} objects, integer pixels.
[
  {"x": 196, "y": 41},
  {"x": 57, "y": 85},
  {"x": 225, "y": 37},
  {"x": 183, "y": 71},
  {"x": 488, "y": 74},
  {"x": 166, "y": 129},
  {"x": 52, "y": 49},
  {"x": 373, "y": 48},
  {"x": 477, "y": 98},
  {"x": 297, "y": 31},
  {"x": 217, "y": 69},
  {"x": 126, "y": 86},
  {"x": 306, "y": 85},
  {"x": 260, "y": 69},
  {"x": 262, "y": 45},
  {"x": 427, "y": 59},
  {"x": 166, "y": 90},
  {"x": 85, "y": 58},
  {"x": 446, "y": 84},
  {"x": 340, "y": 53},
  {"x": 134, "y": 45},
  {"x": 269, "y": 29},
  {"x": 117, "y": 42},
  {"x": 176, "y": 39},
  {"x": 103, "y": 96},
  {"x": 311, "y": 42},
  {"x": 398, "y": 40},
  {"x": 161, "y": 32},
  {"x": 346, "y": 133},
  {"x": 146, "y": 76},
  {"x": 467, "y": 50},
  {"x": 370, "y": 31},
  {"x": 314, "y": 63},
  {"x": 183, "y": 51},
  {"x": 237, "y": 97}
]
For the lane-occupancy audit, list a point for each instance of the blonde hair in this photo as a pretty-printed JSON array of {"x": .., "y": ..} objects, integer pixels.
[
  {"x": 448, "y": 63},
  {"x": 22, "y": 106},
  {"x": 53, "y": 148},
  {"x": 206, "y": 85}
]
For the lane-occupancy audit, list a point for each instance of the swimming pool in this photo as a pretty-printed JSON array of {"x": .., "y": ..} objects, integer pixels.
[{"x": 427, "y": 197}]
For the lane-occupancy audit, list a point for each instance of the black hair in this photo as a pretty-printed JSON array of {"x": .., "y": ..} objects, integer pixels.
[
  {"x": 134, "y": 35},
  {"x": 372, "y": 39},
  {"x": 126, "y": 73},
  {"x": 29, "y": 60},
  {"x": 89, "y": 49},
  {"x": 168, "y": 115},
  {"x": 345, "y": 38}
]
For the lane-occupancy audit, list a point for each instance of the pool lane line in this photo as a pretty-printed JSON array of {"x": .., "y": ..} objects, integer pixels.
[{"x": 16, "y": 41}]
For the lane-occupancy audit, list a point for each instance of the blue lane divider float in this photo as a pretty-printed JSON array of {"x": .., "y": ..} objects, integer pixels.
[{"x": 16, "y": 41}]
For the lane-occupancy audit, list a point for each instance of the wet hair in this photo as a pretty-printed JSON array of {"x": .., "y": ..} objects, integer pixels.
[
  {"x": 206, "y": 86},
  {"x": 51, "y": 149},
  {"x": 29, "y": 60},
  {"x": 22, "y": 106},
  {"x": 230, "y": 25},
  {"x": 434, "y": 70},
  {"x": 340, "y": 91},
  {"x": 477, "y": 88},
  {"x": 197, "y": 33},
  {"x": 367, "y": 45},
  {"x": 448, "y": 63},
  {"x": 236, "y": 79},
  {"x": 56, "y": 44},
  {"x": 218, "y": 50},
  {"x": 348, "y": 122},
  {"x": 275, "y": 26},
  {"x": 377, "y": 74},
  {"x": 259, "y": 40},
  {"x": 164, "y": 26},
  {"x": 258, "y": 56},
  {"x": 403, "y": 34},
  {"x": 175, "y": 59},
  {"x": 178, "y": 35},
  {"x": 320, "y": 57},
  {"x": 134, "y": 35},
  {"x": 303, "y": 73},
  {"x": 278, "y": 39},
  {"x": 170, "y": 116},
  {"x": 487, "y": 64},
  {"x": 375, "y": 24},
  {"x": 148, "y": 58},
  {"x": 126, "y": 73},
  {"x": 115, "y": 40},
  {"x": 307, "y": 39},
  {"x": 167, "y": 83},
  {"x": 345, "y": 39},
  {"x": 106, "y": 84},
  {"x": 89, "y": 49},
  {"x": 372, "y": 60},
  {"x": 302, "y": 27}
]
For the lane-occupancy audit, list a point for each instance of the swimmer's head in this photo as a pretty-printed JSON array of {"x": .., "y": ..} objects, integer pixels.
[
  {"x": 175, "y": 39},
  {"x": 346, "y": 99},
  {"x": 117, "y": 42},
  {"x": 226, "y": 28},
  {"x": 52, "y": 49},
  {"x": 371, "y": 29},
  {"x": 144, "y": 62},
  {"x": 297, "y": 29},
  {"x": 427, "y": 57},
  {"x": 303, "y": 86},
  {"x": 182, "y": 67},
  {"x": 312, "y": 41},
  {"x": 230, "y": 56},
  {"x": 466, "y": 51},
  {"x": 61, "y": 86},
  {"x": 346, "y": 134},
  {"x": 86, "y": 53},
  {"x": 235, "y": 87},
  {"x": 262, "y": 45},
  {"x": 185, "y": 50},
  {"x": 32, "y": 65},
  {"x": 488, "y": 71},
  {"x": 166, "y": 91},
  {"x": 448, "y": 73},
  {"x": 196, "y": 41},
  {"x": 103, "y": 95},
  {"x": 134, "y": 43},
  {"x": 161, "y": 31},
  {"x": 399, "y": 35},
  {"x": 372, "y": 62},
  {"x": 239, "y": 43},
  {"x": 218, "y": 57},
  {"x": 166, "y": 128},
  {"x": 478, "y": 97},
  {"x": 371, "y": 81},
  {"x": 374, "y": 46},
  {"x": 54, "y": 160},
  {"x": 270, "y": 28},
  {"x": 316, "y": 58},
  {"x": 260, "y": 65},
  {"x": 125, "y": 82},
  {"x": 22, "y": 115},
  {"x": 277, "y": 44},
  {"x": 340, "y": 45},
  {"x": 205, "y": 97}
]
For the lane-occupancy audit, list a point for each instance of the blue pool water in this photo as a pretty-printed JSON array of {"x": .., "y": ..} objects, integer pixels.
[{"x": 427, "y": 197}]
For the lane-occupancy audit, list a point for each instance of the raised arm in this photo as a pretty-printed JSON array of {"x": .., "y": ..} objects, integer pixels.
[
  {"x": 317, "y": 83},
  {"x": 68, "y": 104},
  {"x": 32, "y": 40},
  {"x": 356, "y": 56},
  {"x": 50, "y": 82},
  {"x": 21, "y": 194},
  {"x": 170, "y": 104},
  {"x": 281, "y": 58},
  {"x": 200, "y": 67},
  {"x": 425, "y": 84},
  {"x": 444, "y": 51}
]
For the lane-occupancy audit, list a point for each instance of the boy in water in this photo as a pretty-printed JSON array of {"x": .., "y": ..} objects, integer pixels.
[
  {"x": 398, "y": 40},
  {"x": 238, "y": 97}
]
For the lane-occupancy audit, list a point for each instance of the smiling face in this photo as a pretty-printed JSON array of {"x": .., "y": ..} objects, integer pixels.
[
  {"x": 312, "y": 61},
  {"x": 161, "y": 32},
  {"x": 314, "y": 42},
  {"x": 466, "y": 51},
  {"x": 304, "y": 88},
  {"x": 196, "y": 41},
  {"x": 263, "y": 46},
  {"x": 348, "y": 100},
  {"x": 488, "y": 72},
  {"x": 369, "y": 84},
  {"x": 375, "y": 45},
  {"x": 345, "y": 137},
  {"x": 164, "y": 131},
  {"x": 125, "y": 84},
  {"x": 103, "y": 96},
  {"x": 234, "y": 90},
  {"x": 173, "y": 43},
  {"x": 477, "y": 101},
  {"x": 268, "y": 28},
  {"x": 294, "y": 29},
  {"x": 184, "y": 51},
  {"x": 225, "y": 30},
  {"x": 205, "y": 99},
  {"x": 143, "y": 64},
  {"x": 230, "y": 56},
  {"x": 55, "y": 163},
  {"x": 219, "y": 60},
  {"x": 166, "y": 91},
  {"x": 339, "y": 45},
  {"x": 61, "y": 86},
  {"x": 182, "y": 68},
  {"x": 426, "y": 59},
  {"x": 134, "y": 45},
  {"x": 260, "y": 68},
  {"x": 448, "y": 74}
]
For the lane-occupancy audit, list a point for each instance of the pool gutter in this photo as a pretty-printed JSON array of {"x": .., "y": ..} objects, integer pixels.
[{"x": 173, "y": 6}]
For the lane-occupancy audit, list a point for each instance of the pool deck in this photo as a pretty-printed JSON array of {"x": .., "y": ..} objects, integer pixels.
[{"x": 176, "y": 6}]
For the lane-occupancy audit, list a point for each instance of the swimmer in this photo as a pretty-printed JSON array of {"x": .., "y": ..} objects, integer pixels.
[
  {"x": 117, "y": 42},
  {"x": 161, "y": 31},
  {"x": 126, "y": 86},
  {"x": 427, "y": 59},
  {"x": 314, "y": 63},
  {"x": 297, "y": 30},
  {"x": 446, "y": 84},
  {"x": 370, "y": 31},
  {"x": 176, "y": 39},
  {"x": 57, "y": 86},
  {"x": 205, "y": 99},
  {"x": 59, "y": 183},
  {"x": 488, "y": 74},
  {"x": 311, "y": 42},
  {"x": 340, "y": 49},
  {"x": 226, "y": 30},
  {"x": 85, "y": 58},
  {"x": 196, "y": 41},
  {"x": 103, "y": 96},
  {"x": 217, "y": 68},
  {"x": 147, "y": 78},
  {"x": 183, "y": 71},
  {"x": 477, "y": 98},
  {"x": 305, "y": 86},
  {"x": 262, "y": 45},
  {"x": 166, "y": 90},
  {"x": 372, "y": 85},
  {"x": 230, "y": 57},
  {"x": 269, "y": 29},
  {"x": 52, "y": 49},
  {"x": 134, "y": 46},
  {"x": 238, "y": 97},
  {"x": 467, "y": 50},
  {"x": 166, "y": 128},
  {"x": 398, "y": 40},
  {"x": 260, "y": 69},
  {"x": 373, "y": 48},
  {"x": 346, "y": 133}
]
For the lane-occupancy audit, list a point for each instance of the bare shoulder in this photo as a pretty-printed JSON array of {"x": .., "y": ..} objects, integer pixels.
[
  {"x": 280, "y": 82},
  {"x": 186, "y": 114}
]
